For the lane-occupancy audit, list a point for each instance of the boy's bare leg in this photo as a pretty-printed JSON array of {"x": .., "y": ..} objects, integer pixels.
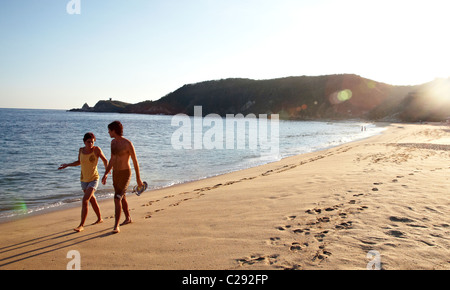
[
  {"x": 88, "y": 193},
  {"x": 96, "y": 208}
]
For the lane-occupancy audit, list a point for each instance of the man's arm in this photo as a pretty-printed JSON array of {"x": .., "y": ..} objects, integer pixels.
[
  {"x": 136, "y": 165},
  {"x": 108, "y": 169},
  {"x": 110, "y": 164}
]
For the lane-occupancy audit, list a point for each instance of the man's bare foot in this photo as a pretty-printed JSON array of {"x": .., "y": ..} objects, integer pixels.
[
  {"x": 127, "y": 221},
  {"x": 98, "y": 222},
  {"x": 79, "y": 229},
  {"x": 116, "y": 230}
]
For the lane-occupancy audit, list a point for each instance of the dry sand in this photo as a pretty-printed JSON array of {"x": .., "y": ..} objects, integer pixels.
[{"x": 323, "y": 210}]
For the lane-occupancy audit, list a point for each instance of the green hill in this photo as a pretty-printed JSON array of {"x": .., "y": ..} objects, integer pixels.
[{"x": 304, "y": 98}]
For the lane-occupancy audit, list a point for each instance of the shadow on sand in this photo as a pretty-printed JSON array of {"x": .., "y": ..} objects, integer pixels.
[{"x": 46, "y": 244}]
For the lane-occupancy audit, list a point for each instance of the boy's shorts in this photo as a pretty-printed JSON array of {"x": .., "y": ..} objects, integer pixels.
[{"x": 86, "y": 185}]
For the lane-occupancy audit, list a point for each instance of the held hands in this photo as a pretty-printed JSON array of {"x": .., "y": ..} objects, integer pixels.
[{"x": 104, "y": 179}]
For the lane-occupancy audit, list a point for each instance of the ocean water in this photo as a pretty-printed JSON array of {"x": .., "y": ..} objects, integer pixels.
[{"x": 33, "y": 143}]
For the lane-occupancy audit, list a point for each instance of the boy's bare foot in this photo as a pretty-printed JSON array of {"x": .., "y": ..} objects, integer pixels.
[
  {"x": 126, "y": 222},
  {"x": 98, "y": 222},
  {"x": 79, "y": 229},
  {"x": 116, "y": 230}
]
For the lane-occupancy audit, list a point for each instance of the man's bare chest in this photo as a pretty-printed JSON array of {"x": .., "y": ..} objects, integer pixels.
[{"x": 119, "y": 149}]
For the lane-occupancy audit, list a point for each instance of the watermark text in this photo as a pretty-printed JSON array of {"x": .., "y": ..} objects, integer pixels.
[
  {"x": 375, "y": 263},
  {"x": 236, "y": 132},
  {"x": 73, "y": 7},
  {"x": 75, "y": 262}
]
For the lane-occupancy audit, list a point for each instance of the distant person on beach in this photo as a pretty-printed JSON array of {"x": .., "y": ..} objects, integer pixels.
[
  {"x": 121, "y": 151},
  {"x": 88, "y": 159}
]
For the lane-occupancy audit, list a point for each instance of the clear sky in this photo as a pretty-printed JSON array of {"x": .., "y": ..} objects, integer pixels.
[{"x": 136, "y": 50}]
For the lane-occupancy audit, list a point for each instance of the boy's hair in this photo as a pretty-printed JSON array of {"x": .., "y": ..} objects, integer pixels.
[
  {"x": 88, "y": 136},
  {"x": 117, "y": 127}
]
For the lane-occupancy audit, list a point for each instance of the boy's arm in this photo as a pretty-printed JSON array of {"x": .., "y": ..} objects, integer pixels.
[
  {"x": 73, "y": 164},
  {"x": 102, "y": 156}
]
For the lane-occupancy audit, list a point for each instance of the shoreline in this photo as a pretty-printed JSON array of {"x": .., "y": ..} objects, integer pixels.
[
  {"x": 65, "y": 206},
  {"x": 319, "y": 210}
]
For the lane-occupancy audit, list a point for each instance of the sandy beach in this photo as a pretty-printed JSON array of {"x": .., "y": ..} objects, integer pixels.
[{"x": 322, "y": 210}]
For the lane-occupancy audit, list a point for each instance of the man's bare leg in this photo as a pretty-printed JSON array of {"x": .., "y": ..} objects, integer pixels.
[
  {"x": 118, "y": 212},
  {"x": 126, "y": 211}
]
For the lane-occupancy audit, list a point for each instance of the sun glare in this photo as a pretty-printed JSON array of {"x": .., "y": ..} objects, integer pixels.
[{"x": 438, "y": 92}]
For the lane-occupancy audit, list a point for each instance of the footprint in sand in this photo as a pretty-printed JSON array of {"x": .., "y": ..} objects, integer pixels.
[
  {"x": 269, "y": 260},
  {"x": 321, "y": 255},
  {"x": 300, "y": 231},
  {"x": 314, "y": 211},
  {"x": 320, "y": 236},
  {"x": 395, "y": 233},
  {"x": 400, "y": 219},
  {"x": 295, "y": 247},
  {"x": 344, "y": 226},
  {"x": 324, "y": 219},
  {"x": 274, "y": 241}
]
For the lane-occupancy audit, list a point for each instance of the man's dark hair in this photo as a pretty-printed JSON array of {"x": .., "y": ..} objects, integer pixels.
[
  {"x": 88, "y": 136},
  {"x": 117, "y": 127}
]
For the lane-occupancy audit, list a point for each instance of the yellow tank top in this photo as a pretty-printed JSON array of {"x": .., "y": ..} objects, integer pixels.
[{"x": 89, "y": 170}]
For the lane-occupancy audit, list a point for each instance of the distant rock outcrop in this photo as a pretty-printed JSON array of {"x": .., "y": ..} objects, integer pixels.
[
  {"x": 104, "y": 107},
  {"x": 85, "y": 108},
  {"x": 305, "y": 98}
]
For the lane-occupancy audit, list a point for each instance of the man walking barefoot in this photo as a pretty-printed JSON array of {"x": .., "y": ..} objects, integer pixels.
[{"x": 121, "y": 151}]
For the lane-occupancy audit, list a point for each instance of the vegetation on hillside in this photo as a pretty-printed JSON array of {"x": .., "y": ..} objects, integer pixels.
[{"x": 305, "y": 98}]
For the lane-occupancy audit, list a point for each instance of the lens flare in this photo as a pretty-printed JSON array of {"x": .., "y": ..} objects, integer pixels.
[
  {"x": 20, "y": 207},
  {"x": 344, "y": 95},
  {"x": 340, "y": 97},
  {"x": 438, "y": 92},
  {"x": 371, "y": 84}
]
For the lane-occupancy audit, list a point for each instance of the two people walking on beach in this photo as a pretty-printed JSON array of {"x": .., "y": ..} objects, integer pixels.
[{"x": 121, "y": 151}]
